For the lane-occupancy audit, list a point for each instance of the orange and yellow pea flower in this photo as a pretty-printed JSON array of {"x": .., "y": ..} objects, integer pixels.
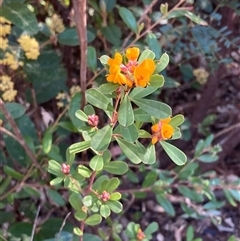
[
  {"x": 162, "y": 130},
  {"x": 130, "y": 73}
]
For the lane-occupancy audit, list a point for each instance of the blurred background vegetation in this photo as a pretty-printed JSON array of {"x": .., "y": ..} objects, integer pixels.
[{"x": 199, "y": 201}]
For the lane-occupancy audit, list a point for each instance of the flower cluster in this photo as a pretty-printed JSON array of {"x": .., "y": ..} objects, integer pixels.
[
  {"x": 5, "y": 29},
  {"x": 201, "y": 75},
  {"x": 11, "y": 60},
  {"x": 162, "y": 130},
  {"x": 127, "y": 70},
  {"x": 7, "y": 87},
  {"x": 140, "y": 235},
  {"x": 30, "y": 46},
  {"x": 55, "y": 24}
]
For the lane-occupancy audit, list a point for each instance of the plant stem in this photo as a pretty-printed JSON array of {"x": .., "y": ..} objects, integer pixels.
[{"x": 80, "y": 7}]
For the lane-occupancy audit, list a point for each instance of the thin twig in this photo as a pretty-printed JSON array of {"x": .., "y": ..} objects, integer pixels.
[
  {"x": 235, "y": 126},
  {"x": 20, "y": 137},
  {"x": 63, "y": 224},
  {"x": 2, "y": 129},
  {"x": 146, "y": 11},
  {"x": 35, "y": 222},
  {"x": 80, "y": 7}
]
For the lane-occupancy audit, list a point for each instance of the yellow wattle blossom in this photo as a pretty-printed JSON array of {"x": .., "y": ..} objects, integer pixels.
[
  {"x": 162, "y": 130},
  {"x": 4, "y": 20},
  {"x": 55, "y": 24},
  {"x": 9, "y": 95},
  {"x": 5, "y": 27},
  {"x": 11, "y": 61},
  {"x": 130, "y": 72},
  {"x": 74, "y": 89},
  {"x": 61, "y": 97},
  {"x": 7, "y": 87},
  {"x": 30, "y": 46},
  {"x": 201, "y": 75},
  {"x": 3, "y": 43}
]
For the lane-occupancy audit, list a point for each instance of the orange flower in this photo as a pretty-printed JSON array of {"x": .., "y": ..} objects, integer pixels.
[
  {"x": 130, "y": 73},
  {"x": 143, "y": 72},
  {"x": 132, "y": 53},
  {"x": 162, "y": 130}
]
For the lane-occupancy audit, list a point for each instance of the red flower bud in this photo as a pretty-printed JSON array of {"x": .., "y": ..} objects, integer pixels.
[
  {"x": 93, "y": 120},
  {"x": 105, "y": 196},
  {"x": 65, "y": 169}
]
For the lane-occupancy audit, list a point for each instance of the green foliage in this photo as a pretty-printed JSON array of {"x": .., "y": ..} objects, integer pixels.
[{"x": 67, "y": 150}]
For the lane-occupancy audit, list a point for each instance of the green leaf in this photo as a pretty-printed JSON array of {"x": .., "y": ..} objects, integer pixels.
[
  {"x": 150, "y": 178},
  {"x": 146, "y": 54},
  {"x": 177, "y": 156},
  {"x": 93, "y": 220},
  {"x": 129, "y": 133},
  {"x": 128, "y": 19},
  {"x": 125, "y": 112},
  {"x": 116, "y": 167},
  {"x": 74, "y": 107},
  {"x": 115, "y": 206},
  {"x": 141, "y": 115},
  {"x": 154, "y": 44},
  {"x": 76, "y": 148},
  {"x": 102, "y": 139},
  {"x": 55, "y": 168},
  {"x": 76, "y": 201},
  {"x": 46, "y": 82},
  {"x": 97, "y": 99},
  {"x": 190, "y": 193},
  {"x": 154, "y": 108},
  {"x": 156, "y": 81},
  {"x": 110, "y": 185},
  {"x": 162, "y": 63},
  {"x": 80, "y": 215},
  {"x": 190, "y": 233},
  {"x": 130, "y": 150},
  {"x": 87, "y": 201},
  {"x": 115, "y": 196},
  {"x": 92, "y": 58},
  {"x": 77, "y": 231},
  {"x": 199, "y": 148},
  {"x": 195, "y": 19},
  {"x": 150, "y": 155},
  {"x": 104, "y": 60},
  {"x": 81, "y": 115},
  {"x": 12, "y": 173},
  {"x": 235, "y": 194},
  {"x": 20, "y": 15},
  {"x": 166, "y": 204},
  {"x": 84, "y": 171},
  {"x": 56, "y": 197},
  {"x": 208, "y": 141},
  {"x": 96, "y": 163},
  {"x": 151, "y": 228},
  {"x": 105, "y": 211},
  {"x": 176, "y": 121},
  {"x": 108, "y": 88},
  {"x": 110, "y": 4},
  {"x": 208, "y": 158},
  {"x": 69, "y": 37},
  {"x": 17, "y": 229},
  {"x": 56, "y": 181},
  {"x": 16, "y": 110},
  {"x": 91, "y": 237},
  {"x": 112, "y": 33},
  {"x": 47, "y": 142}
]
